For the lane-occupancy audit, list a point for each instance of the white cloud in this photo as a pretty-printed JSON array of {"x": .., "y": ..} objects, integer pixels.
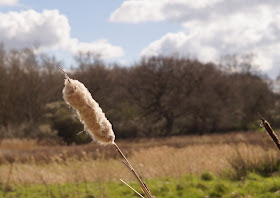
[
  {"x": 49, "y": 29},
  {"x": 23, "y": 29},
  {"x": 182, "y": 44},
  {"x": 135, "y": 11},
  {"x": 8, "y": 2},
  {"x": 211, "y": 29},
  {"x": 100, "y": 47}
]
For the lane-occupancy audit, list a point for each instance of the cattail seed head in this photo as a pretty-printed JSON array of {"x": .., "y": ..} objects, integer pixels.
[{"x": 90, "y": 114}]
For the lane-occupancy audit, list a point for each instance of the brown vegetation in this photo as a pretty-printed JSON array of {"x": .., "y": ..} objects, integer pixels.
[
  {"x": 23, "y": 150},
  {"x": 157, "y": 96},
  {"x": 160, "y": 157}
]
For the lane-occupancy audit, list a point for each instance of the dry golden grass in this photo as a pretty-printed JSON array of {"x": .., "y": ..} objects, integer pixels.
[
  {"x": 17, "y": 144},
  {"x": 162, "y": 157},
  {"x": 12, "y": 150}
]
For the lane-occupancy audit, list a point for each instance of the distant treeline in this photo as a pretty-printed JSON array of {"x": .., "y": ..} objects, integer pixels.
[{"x": 157, "y": 96}]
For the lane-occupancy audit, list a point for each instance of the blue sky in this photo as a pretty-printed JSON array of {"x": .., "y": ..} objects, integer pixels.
[
  {"x": 89, "y": 21},
  {"x": 123, "y": 31}
]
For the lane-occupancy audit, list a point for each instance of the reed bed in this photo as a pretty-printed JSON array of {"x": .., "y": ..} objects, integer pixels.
[
  {"x": 158, "y": 161},
  {"x": 24, "y": 150}
]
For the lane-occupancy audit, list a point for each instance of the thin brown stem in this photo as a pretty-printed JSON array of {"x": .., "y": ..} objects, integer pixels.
[
  {"x": 270, "y": 132},
  {"x": 142, "y": 184},
  {"x": 131, "y": 188},
  {"x": 65, "y": 74}
]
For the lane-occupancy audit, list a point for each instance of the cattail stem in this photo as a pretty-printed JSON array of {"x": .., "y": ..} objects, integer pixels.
[
  {"x": 142, "y": 184},
  {"x": 131, "y": 188},
  {"x": 94, "y": 120},
  {"x": 270, "y": 132},
  {"x": 65, "y": 74}
]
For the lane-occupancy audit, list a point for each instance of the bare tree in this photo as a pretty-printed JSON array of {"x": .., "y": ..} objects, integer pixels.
[{"x": 160, "y": 87}]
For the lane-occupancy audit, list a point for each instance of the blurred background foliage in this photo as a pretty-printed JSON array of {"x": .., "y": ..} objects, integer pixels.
[{"x": 156, "y": 96}]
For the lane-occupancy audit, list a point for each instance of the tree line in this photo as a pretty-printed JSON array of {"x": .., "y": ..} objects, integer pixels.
[{"x": 156, "y": 96}]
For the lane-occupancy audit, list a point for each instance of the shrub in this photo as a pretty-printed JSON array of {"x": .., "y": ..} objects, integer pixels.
[
  {"x": 218, "y": 191},
  {"x": 207, "y": 176},
  {"x": 66, "y": 123},
  {"x": 244, "y": 162}
]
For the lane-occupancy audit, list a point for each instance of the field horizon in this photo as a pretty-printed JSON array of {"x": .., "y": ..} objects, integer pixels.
[{"x": 232, "y": 156}]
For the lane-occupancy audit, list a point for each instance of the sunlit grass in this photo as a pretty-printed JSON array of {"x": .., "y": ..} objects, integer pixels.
[
  {"x": 166, "y": 187},
  {"x": 244, "y": 165}
]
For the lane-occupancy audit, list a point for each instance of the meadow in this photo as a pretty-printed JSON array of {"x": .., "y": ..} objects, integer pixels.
[{"x": 239, "y": 164}]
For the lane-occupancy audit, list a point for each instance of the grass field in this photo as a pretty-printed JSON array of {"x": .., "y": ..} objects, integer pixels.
[
  {"x": 219, "y": 165},
  {"x": 186, "y": 186}
]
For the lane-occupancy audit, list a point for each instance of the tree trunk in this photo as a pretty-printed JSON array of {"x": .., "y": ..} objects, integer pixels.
[{"x": 169, "y": 125}]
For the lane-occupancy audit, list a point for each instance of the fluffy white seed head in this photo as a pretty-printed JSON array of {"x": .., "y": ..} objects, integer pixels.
[{"x": 90, "y": 114}]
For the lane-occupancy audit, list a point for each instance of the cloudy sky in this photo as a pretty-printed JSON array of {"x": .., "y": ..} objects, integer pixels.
[{"x": 125, "y": 30}]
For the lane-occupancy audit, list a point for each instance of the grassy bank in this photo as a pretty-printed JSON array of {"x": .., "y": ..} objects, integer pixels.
[
  {"x": 189, "y": 186},
  {"x": 244, "y": 165}
]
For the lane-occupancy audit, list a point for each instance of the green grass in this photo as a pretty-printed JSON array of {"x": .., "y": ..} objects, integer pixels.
[{"x": 253, "y": 185}]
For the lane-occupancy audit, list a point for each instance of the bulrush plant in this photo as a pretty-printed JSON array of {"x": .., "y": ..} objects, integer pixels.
[
  {"x": 95, "y": 122},
  {"x": 270, "y": 131}
]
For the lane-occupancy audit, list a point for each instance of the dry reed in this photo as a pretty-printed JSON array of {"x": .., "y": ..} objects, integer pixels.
[
  {"x": 152, "y": 162},
  {"x": 90, "y": 114},
  {"x": 24, "y": 150},
  {"x": 95, "y": 123},
  {"x": 270, "y": 131}
]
